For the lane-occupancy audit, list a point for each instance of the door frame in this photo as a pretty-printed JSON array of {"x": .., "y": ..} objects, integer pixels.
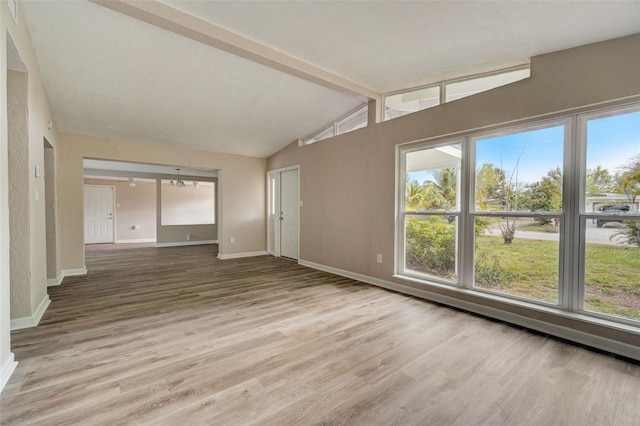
[
  {"x": 273, "y": 201},
  {"x": 113, "y": 208}
]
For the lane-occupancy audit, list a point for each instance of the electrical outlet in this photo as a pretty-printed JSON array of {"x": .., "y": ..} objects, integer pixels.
[
  {"x": 232, "y": 240},
  {"x": 188, "y": 237},
  {"x": 379, "y": 257}
]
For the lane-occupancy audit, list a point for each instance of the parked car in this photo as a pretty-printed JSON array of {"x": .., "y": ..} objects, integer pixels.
[{"x": 612, "y": 210}]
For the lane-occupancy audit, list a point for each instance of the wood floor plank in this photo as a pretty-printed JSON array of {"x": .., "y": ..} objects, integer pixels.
[{"x": 173, "y": 336}]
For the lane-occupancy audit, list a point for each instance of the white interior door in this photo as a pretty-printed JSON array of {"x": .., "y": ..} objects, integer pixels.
[
  {"x": 289, "y": 214},
  {"x": 98, "y": 214}
]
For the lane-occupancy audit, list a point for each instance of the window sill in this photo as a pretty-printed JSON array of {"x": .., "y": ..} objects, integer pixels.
[{"x": 551, "y": 310}]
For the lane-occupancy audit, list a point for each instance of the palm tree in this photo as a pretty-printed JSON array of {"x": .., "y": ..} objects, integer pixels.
[
  {"x": 630, "y": 186},
  {"x": 446, "y": 182},
  {"x": 415, "y": 195}
]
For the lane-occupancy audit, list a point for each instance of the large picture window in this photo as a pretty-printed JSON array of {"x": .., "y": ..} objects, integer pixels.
[
  {"x": 610, "y": 220},
  {"x": 546, "y": 213}
]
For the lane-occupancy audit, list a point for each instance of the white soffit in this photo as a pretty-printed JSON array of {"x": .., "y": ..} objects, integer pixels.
[
  {"x": 110, "y": 75},
  {"x": 389, "y": 46}
]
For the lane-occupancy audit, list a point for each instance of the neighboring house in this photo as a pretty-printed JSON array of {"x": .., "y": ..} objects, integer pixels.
[{"x": 595, "y": 202}]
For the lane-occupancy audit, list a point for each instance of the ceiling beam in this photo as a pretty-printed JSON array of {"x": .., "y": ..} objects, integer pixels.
[{"x": 168, "y": 18}]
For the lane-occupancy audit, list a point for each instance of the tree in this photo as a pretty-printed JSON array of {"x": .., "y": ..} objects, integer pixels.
[
  {"x": 632, "y": 167},
  {"x": 599, "y": 181},
  {"x": 490, "y": 180},
  {"x": 628, "y": 181},
  {"x": 414, "y": 195},
  {"x": 511, "y": 192},
  {"x": 445, "y": 182},
  {"x": 423, "y": 197},
  {"x": 546, "y": 194},
  {"x": 628, "y": 185}
]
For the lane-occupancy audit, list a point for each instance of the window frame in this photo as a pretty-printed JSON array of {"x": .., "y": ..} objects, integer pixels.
[
  {"x": 383, "y": 103},
  {"x": 335, "y": 125},
  {"x": 442, "y": 86},
  {"x": 572, "y": 233},
  {"x": 582, "y": 216},
  {"x": 404, "y": 213}
]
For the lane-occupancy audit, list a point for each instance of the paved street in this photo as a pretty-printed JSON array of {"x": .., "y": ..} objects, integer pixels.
[{"x": 594, "y": 235}]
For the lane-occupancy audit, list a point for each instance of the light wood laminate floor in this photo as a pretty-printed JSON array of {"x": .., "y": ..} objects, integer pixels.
[{"x": 174, "y": 336}]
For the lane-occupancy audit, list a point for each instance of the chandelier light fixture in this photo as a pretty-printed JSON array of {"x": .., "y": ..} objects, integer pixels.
[{"x": 179, "y": 183}]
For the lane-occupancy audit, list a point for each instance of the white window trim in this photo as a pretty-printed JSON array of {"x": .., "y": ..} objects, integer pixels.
[
  {"x": 573, "y": 216},
  {"x": 442, "y": 85},
  {"x": 335, "y": 124}
]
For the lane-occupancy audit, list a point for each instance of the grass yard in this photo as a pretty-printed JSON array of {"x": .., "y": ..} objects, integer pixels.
[
  {"x": 531, "y": 267},
  {"x": 530, "y": 270}
]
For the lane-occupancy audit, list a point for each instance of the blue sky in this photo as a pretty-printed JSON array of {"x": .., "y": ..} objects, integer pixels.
[
  {"x": 611, "y": 142},
  {"x": 539, "y": 151}
]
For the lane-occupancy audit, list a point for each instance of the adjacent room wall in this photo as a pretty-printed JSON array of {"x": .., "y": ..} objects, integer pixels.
[
  {"x": 172, "y": 234},
  {"x": 134, "y": 206},
  {"x": 19, "y": 199},
  {"x": 39, "y": 117},
  {"x": 241, "y": 190},
  {"x": 348, "y": 183}
]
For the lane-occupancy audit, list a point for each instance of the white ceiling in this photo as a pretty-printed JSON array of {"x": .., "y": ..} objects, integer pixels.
[{"x": 108, "y": 74}]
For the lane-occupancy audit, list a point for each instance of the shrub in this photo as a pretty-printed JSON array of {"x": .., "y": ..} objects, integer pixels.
[
  {"x": 431, "y": 245},
  {"x": 629, "y": 234}
]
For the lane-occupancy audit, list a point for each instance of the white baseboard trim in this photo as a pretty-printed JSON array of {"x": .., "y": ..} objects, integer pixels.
[
  {"x": 7, "y": 370},
  {"x": 33, "y": 320},
  {"x": 138, "y": 240},
  {"x": 73, "y": 272},
  {"x": 239, "y": 255},
  {"x": 52, "y": 282},
  {"x": 571, "y": 334},
  {"x": 187, "y": 243}
]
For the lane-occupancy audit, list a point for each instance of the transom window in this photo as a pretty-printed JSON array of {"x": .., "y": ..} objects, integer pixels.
[
  {"x": 534, "y": 213},
  {"x": 417, "y": 99}
]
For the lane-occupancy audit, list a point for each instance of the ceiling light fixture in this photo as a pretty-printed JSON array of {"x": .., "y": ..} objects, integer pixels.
[
  {"x": 132, "y": 182},
  {"x": 179, "y": 183}
]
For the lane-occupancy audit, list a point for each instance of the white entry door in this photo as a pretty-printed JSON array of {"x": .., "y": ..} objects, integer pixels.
[
  {"x": 98, "y": 214},
  {"x": 289, "y": 214}
]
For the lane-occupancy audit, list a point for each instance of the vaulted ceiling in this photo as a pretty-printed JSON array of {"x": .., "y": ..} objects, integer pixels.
[{"x": 250, "y": 77}]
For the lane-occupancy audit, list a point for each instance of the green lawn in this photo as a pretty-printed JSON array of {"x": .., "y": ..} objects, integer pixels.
[
  {"x": 536, "y": 227},
  {"x": 531, "y": 270},
  {"x": 531, "y": 267}
]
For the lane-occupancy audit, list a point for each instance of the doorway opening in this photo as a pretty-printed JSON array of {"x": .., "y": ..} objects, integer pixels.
[
  {"x": 50, "y": 214},
  {"x": 283, "y": 215}
]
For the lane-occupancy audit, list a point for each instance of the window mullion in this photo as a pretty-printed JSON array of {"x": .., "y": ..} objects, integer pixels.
[
  {"x": 569, "y": 229},
  {"x": 466, "y": 237}
]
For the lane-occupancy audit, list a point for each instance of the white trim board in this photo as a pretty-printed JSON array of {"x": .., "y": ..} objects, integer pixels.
[
  {"x": 187, "y": 243},
  {"x": 139, "y": 240},
  {"x": 7, "y": 369},
  {"x": 73, "y": 272},
  {"x": 33, "y": 320},
  {"x": 52, "y": 282},
  {"x": 240, "y": 255},
  {"x": 577, "y": 336}
]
